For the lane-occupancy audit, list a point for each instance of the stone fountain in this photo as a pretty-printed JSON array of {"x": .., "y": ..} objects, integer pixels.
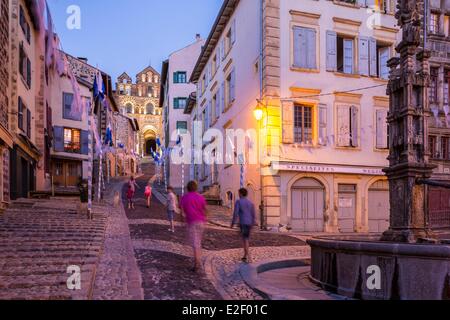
[{"x": 410, "y": 260}]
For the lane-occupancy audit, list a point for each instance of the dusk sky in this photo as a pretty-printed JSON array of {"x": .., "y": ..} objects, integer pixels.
[{"x": 127, "y": 35}]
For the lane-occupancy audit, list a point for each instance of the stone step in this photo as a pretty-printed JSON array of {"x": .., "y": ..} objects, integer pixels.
[
  {"x": 49, "y": 293},
  {"x": 47, "y": 262},
  {"x": 54, "y": 249},
  {"x": 52, "y": 229},
  {"x": 43, "y": 255},
  {"x": 12, "y": 271},
  {"x": 4, "y": 245},
  {"x": 33, "y": 281}
]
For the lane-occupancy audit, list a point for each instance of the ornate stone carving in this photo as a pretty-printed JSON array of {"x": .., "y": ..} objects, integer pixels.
[{"x": 408, "y": 90}]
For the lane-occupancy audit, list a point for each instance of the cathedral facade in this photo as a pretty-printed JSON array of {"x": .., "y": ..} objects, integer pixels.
[{"x": 140, "y": 100}]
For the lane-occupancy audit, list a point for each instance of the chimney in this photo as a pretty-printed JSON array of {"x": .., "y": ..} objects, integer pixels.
[{"x": 198, "y": 37}]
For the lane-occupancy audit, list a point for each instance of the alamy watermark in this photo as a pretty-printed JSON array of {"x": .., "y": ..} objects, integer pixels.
[
  {"x": 73, "y": 21},
  {"x": 374, "y": 280},
  {"x": 74, "y": 280}
]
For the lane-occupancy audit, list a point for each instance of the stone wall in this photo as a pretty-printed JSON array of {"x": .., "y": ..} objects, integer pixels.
[
  {"x": 5, "y": 175},
  {"x": 4, "y": 60},
  {"x": 4, "y": 99}
]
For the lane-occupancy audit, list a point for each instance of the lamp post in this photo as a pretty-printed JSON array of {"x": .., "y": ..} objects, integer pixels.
[{"x": 259, "y": 114}]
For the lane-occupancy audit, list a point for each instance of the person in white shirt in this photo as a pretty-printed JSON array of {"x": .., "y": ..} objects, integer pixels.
[{"x": 172, "y": 207}]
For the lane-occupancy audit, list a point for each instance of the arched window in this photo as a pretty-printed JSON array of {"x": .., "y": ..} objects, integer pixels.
[
  {"x": 129, "y": 108},
  {"x": 150, "y": 109},
  {"x": 150, "y": 77},
  {"x": 143, "y": 78}
]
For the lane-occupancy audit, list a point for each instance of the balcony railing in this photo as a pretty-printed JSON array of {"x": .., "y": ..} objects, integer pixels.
[{"x": 439, "y": 49}]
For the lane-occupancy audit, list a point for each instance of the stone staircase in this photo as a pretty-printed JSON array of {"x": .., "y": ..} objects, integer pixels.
[{"x": 39, "y": 240}]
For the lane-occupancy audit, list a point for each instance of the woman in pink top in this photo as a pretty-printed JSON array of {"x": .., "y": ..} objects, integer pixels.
[{"x": 193, "y": 206}]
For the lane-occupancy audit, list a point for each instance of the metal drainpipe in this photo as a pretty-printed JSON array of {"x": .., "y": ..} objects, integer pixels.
[
  {"x": 425, "y": 24},
  {"x": 261, "y": 207}
]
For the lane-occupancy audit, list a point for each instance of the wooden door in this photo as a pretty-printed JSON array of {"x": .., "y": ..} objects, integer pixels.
[
  {"x": 347, "y": 208},
  {"x": 73, "y": 173},
  {"x": 379, "y": 207},
  {"x": 307, "y": 206}
]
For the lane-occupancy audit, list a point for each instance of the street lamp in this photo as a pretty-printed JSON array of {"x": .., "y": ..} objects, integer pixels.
[{"x": 259, "y": 114}]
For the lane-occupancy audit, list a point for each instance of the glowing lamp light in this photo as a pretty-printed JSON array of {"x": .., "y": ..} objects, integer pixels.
[{"x": 258, "y": 113}]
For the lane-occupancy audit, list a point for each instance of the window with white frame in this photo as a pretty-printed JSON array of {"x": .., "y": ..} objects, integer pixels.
[
  {"x": 303, "y": 124},
  {"x": 230, "y": 85},
  {"x": 345, "y": 54},
  {"x": 383, "y": 55},
  {"x": 434, "y": 23},
  {"x": 304, "y": 55},
  {"x": 347, "y": 126},
  {"x": 372, "y": 55}
]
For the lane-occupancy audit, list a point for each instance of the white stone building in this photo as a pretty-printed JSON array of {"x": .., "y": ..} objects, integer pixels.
[
  {"x": 175, "y": 91},
  {"x": 316, "y": 73}
]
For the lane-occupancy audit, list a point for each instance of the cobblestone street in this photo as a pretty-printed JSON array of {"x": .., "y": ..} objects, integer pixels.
[
  {"x": 123, "y": 254},
  {"x": 165, "y": 258}
]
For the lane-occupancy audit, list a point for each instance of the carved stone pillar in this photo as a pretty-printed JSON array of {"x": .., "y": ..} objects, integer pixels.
[{"x": 409, "y": 110}]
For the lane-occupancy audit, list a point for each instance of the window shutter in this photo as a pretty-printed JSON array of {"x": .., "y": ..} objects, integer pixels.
[
  {"x": 354, "y": 126},
  {"x": 343, "y": 122},
  {"x": 311, "y": 45},
  {"x": 364, "y": 56},
  {"x": 296, "y": 47},
  {"x": 222, "y": 49},
  {"x": 288, "y": 122},
  {"x": 217, "y": 115},
  {"x": 382, "y": 129},
  {"x": 373, "y": 56},
  {"x": 222, "y": 97},
  {"x": 58, "y": 134},
  {"x": 20, "y": 113},
  {"x": 300, "y": 47},
  {"x": 384, "y": 57},
  {"x": 348, "y": 56},
  {"x": 84, "y": 142},
  {"x": 175, "y": 77},
  {"x": 331, "y": 51},
  {"x": 206, "y": 117},
  {"x": 21, "y": 58},
  {"x": 28, "y": 123},
  {"x": 233, "y": 31},
  {"x": 218, "y": 59},
  {"x": 323, "y": 139},
  {"x": 210, "y": 115},
  {"x": 28, "y": 73},
  {"x": 233, "y": 85},
  {"x": 210, "y": 71},
  {"x": 67, "y": 105}
]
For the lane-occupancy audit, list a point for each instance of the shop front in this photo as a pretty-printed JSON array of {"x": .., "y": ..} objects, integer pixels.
[{"x": 319, "y": 198}]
